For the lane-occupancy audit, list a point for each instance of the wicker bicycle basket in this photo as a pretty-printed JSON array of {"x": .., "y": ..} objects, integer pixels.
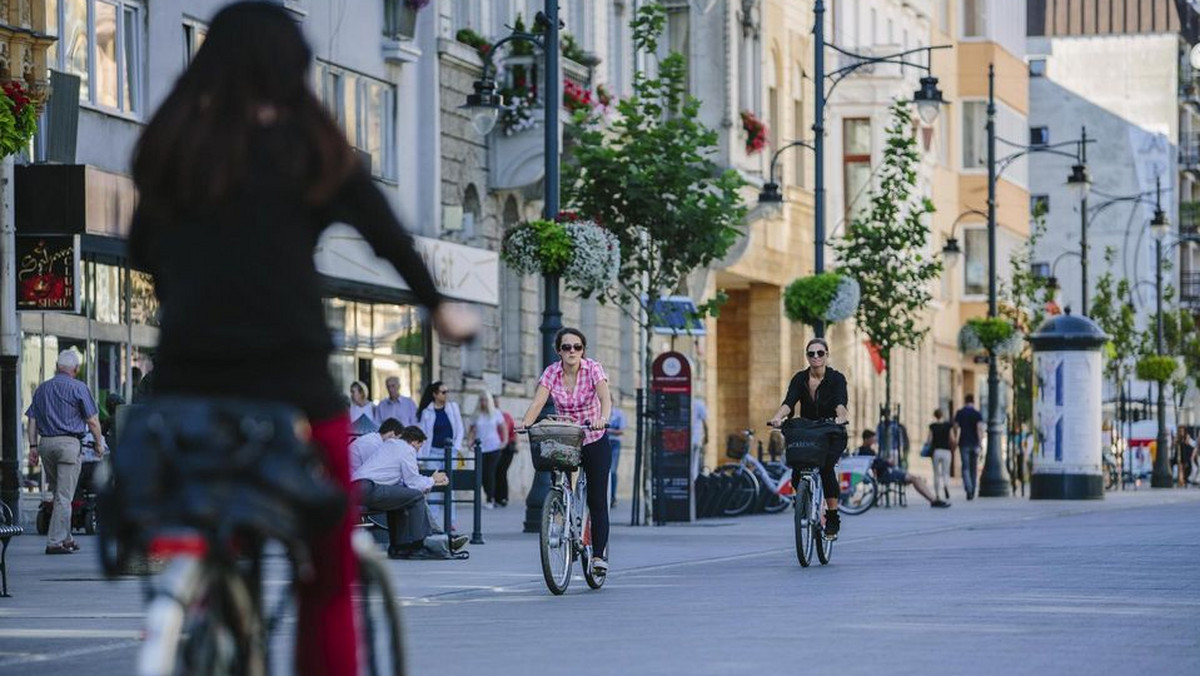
[{"x": 556, "y": 444}]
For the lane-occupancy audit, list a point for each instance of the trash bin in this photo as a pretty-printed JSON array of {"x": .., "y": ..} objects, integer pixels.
[{"x": 1067, "y": 462}]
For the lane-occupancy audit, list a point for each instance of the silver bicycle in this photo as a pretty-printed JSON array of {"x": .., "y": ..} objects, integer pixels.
[{"x": 810, "y": 529}]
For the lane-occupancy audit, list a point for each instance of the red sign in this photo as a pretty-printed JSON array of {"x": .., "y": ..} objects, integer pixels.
[{"x": 47, "y": 273}]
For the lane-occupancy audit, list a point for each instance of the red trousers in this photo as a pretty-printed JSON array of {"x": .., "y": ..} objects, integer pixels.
[{"x": 326, "y": 641}]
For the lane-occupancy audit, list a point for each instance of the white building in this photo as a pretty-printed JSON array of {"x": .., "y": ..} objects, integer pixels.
[{"x": 1126, "y": 77}]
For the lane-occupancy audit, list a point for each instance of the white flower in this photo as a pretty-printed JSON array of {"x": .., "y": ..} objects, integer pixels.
[
  {"x": 595, "y": 259},
  {"x": 845, "y": 302},
  {"x": 521, "y": 251},
  {"x": 968, "y": 340}
]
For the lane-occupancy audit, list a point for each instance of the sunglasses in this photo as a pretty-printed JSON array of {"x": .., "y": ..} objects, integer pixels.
[
  {"x": 571, "y": 347},
  {"x": 816, "y": 354},
  {"x": 442, "y": 392}
]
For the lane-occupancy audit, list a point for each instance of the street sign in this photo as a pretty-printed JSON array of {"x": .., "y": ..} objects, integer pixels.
[
  {"x": 671, "y": 441},
  {"x": 47, "y": 273}
]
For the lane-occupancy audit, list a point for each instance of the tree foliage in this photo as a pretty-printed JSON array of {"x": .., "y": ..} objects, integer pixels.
[
  {"x": 1023, "y": 300},
  {"x": 649, "y": 176},
  {"x": 885, "y": 248},
  {"x": 1112, "y": 310}
]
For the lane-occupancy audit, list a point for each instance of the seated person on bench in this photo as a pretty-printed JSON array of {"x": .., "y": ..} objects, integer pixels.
[
  {"x": 887, "y": 472},
  {"x": 383, "y": 467}
]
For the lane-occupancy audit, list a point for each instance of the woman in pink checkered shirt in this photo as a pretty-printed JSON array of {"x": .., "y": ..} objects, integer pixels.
[{"x": 579, "y": 388}]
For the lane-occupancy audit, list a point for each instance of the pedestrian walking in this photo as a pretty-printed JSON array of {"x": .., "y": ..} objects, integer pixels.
[
  {"x": 506, "y": 455},
  {"x": 699, "y": 435},
  {"x": 1187, "y": 455},
  {"x": 616, "y": 429},
  {"x": 61, "y": 412},
  {"x": 941, "y": 441},
  {"x": 968, "y": 429},
  {"x": 441, "y": 421},
  {"x": 396, "y": 405},
  {"x": 489, "y": 430},
  {"x": 360, "y": 404}
]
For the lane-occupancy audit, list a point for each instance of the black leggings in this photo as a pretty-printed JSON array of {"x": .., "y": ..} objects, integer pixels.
[
  {"x": 829, "y": 483},
  {"x": 489, "y": 474},
  {"x": 597, "y": 462}
]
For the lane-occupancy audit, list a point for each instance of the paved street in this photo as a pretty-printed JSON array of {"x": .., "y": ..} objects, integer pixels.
[{"x": 990, "y": 586}]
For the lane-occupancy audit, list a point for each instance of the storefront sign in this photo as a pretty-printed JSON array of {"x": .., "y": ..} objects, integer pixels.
[
  {"x": 671, "y": 442},
  {"x": 461, "y": 272},
  {"x": 47, "y": 273}
]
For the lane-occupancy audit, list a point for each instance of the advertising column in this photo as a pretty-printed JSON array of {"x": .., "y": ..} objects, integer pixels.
[
  {"x": 671, "y": 442},
  {"x": 1067, "y": 422}
]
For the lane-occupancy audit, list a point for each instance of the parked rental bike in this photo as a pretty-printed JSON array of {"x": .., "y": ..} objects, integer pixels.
[
  {"x": 808, "y": 443},
  {"x": 755, "y": 483},
  {"x": 208, "y": 485},
  {"x": 556, "y": 445}
]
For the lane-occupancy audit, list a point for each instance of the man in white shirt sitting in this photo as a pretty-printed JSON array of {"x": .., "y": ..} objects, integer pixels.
[{"x": 383, "y": 466}]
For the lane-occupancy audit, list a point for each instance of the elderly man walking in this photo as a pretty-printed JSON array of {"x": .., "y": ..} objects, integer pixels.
[{"x": 61, "y": 411}]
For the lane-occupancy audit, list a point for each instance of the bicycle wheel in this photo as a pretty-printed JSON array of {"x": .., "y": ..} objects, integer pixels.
[
  {"x": 593, "y": 581},
  {"x": 803, "y": 530},
  {"x": 744, "y": 494},
  {"x": 774, "y": 502},
  {"x": 555, "y": 543},
  {"x": 860, "y": 497},
  {"x": 200, "y": 622},
  {"x": 824, "y": 547},
  {"x": 382, "y": 632}
]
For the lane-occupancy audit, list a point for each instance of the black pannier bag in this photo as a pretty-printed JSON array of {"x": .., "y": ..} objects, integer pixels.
[
  {"x": 219, "y": 466},
  {"x": 808, "y": 443}
]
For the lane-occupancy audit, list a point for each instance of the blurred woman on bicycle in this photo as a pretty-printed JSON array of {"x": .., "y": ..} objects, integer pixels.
[
  {"x": 579, "y": 388},
  {"x": 818, "y": 393},
  {"x": 238, "y": 173}
]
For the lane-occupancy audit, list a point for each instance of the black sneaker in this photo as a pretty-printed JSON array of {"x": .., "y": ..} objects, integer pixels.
[
  {"x": 833, "y": 524},
  {"x": 939, "y": 503},
  {"x": 458, "y": 542}
]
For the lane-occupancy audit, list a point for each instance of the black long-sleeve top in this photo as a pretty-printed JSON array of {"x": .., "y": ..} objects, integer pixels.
[
  {"x": 240, "y": 296},
  {"x": 830, "y": 394}
]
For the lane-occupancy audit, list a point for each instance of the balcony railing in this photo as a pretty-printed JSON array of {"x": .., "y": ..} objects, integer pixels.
[
  {"x": 1189, "y": 151},
  {"x": 1189, "y": 219}
]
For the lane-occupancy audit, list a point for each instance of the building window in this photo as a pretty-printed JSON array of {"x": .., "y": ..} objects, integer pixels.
[
  {"x": 101, "y": 42},
  {"x": 975, "y": 276},
  {"x": 944, "y": 16},
  {"x": 1039, "y": 204},
  {"x": 1037, "y": 66},
  {"x": 974, "y": 18},
  {"x": 1039, "y": 136},
  {"x": 856, "y": 158},
  {"x": 366, "y": 110},
  {"x": 1040, "y": 270},
  {"x": 679, "y": 34},
  {"x": 193, "y": 37},
  {"x": 974, "y": 134}
]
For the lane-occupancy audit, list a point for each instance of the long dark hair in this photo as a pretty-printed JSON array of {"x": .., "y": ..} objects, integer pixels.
[
  {"x": 427, "y": 396},
  {"x": 250, "y": 74}
]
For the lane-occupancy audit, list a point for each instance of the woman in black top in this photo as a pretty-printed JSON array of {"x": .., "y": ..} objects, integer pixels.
[
  {"x": 941, "y": 441},
  {"x": 238, "y": 173},
  {"x": 819, "y": 393}
]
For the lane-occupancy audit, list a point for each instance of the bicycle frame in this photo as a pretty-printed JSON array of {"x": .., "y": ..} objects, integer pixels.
[{"x": 574, "y": 498}]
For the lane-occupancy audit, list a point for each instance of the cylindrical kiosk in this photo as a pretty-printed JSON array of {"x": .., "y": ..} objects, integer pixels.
[{"x": 1067, "y": 461}]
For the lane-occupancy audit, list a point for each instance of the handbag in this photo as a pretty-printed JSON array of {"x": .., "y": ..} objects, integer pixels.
[
  {"x": 809, "y": 443},
  {"x": 927, "y": 451}
]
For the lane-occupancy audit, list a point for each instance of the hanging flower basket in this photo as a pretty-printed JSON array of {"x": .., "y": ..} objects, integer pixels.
[
  {"x": 1158, "y": 369},
  {"x": 585, "y": 255},
  {"x": 756, "y": 132},
  {"x": 996, "y": 335},
  {"x": 827, "y": 297},
  {"x": 18, "y": 119}
]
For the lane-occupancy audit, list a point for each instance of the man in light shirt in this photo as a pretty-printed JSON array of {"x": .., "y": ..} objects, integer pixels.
[
  {"x": 383, "y": 466},
  {"x": 396, "y": 405}
]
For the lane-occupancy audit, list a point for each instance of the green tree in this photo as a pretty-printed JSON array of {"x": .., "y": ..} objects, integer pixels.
[
  {"x": 1112, "y": 310},
  {"x": 1023, "y": 300},
  {"x": 1180, "y": 340},
  {"x": 649, "y": 177},
  {"x": 885, "y": 250}
]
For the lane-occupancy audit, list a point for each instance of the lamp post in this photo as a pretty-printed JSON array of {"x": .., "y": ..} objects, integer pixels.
[
  {"x": 928, "y": 100},
  {"x": 484, "y": 106},
  {"x": 1159, "y": 227}
]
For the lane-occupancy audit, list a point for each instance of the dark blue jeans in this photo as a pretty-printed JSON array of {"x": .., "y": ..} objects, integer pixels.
[{"x": 970, "y": 468}]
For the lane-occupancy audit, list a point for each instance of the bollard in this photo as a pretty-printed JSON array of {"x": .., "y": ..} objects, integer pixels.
[
  {"x": 477, "y": 531},
  {"x": 448, "y": 504}
]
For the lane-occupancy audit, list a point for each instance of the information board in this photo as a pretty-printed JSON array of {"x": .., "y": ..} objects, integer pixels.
[{"x": 671, "y": 440}]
